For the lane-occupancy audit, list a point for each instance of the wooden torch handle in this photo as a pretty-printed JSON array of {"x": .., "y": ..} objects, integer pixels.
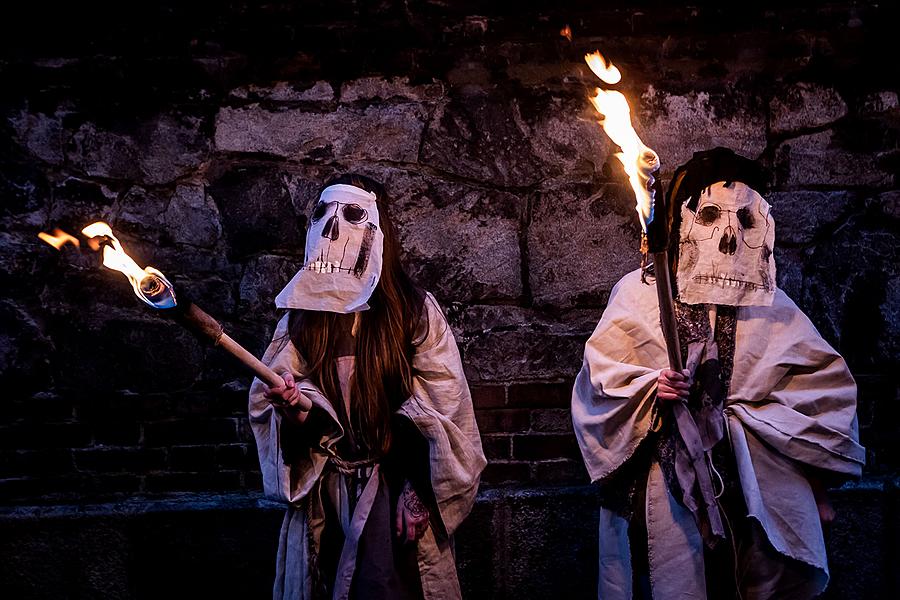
[
  {"x": 667, "y": 309},
  {"x": 201, "y": 323},
  {"x": 265, "y": 374}
]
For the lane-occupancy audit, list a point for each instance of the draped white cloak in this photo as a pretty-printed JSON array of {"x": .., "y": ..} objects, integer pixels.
[
  {"x": 792, "y": 402},
  {"x": 440, "y": 408}
]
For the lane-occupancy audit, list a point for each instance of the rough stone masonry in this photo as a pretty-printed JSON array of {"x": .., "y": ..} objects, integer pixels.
[{"x": 202, "y": 134}]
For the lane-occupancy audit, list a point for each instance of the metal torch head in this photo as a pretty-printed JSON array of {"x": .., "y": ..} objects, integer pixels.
[{"x": 156, "y": 290}]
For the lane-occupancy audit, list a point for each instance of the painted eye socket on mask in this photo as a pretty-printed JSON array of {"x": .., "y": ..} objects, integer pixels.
[
  {"x": 709, "y": 214},
  {"x": 352, "y": 213},
  {"x": 319, "y": 211},
  {"x": 745, "y": 218}
]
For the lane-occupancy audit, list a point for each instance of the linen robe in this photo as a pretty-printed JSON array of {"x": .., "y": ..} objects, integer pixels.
[
  {"x": 440, "y": 407},
  {"x": 791, "y": 404}
]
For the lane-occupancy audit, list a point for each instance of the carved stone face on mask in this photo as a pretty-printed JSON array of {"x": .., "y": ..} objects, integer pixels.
[
  {"x": 344, "y": 245},
  {"x": 725, "y": 253}
]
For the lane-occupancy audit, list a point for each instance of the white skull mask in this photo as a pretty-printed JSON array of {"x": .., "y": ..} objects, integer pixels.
[
  {"x": 344, "y": 245},
  {"x": 725, "y": 253}
]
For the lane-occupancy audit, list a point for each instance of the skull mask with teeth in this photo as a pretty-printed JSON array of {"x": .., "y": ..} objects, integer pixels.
[
  {"x": 725, "y": 254},
  {"x": 344, "y": 245}
]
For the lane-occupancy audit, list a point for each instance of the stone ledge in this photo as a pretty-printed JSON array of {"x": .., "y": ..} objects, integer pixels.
[
  {"x": 202, "y": 501},
  {"x": 529, "y": 542}
]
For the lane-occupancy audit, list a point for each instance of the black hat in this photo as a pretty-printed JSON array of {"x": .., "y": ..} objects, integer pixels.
[{"x": 708, "y": 167}]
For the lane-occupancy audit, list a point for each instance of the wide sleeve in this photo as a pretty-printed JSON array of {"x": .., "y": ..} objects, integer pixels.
[
  {"x": 441, "y": 409},
  {"x": 290, "y": 478},
  {"x": 794, "y": 391},
  {"x": 613, "y": 401}
]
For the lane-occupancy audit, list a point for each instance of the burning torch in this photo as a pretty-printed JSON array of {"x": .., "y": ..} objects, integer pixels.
[
  {"x": 152, "y": 287},
  {"x": 642, "y": 165}
]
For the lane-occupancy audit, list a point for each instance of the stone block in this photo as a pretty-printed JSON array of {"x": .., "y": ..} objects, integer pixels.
[
  {"x": 803, "y": 106},
  {"x": 460, "y": 241},
  {"x": 860, "y": 524},
  {"x": 158, "y": 483},
  {"x": 879, "y": 102},
  {"x": 535, "y": 566},
  {"x": 116, "y": 433},
  {"x": 235, "y": 456},
  {"x": 802, "y": 217},
  {"x": 191, "y": 218},
  {"x": 482, "y": 136},
  {"x": 551, "y": 420},
  {"x": 257, "y": 211},
  {"x": 125, "y": 353},
  {"x": 565, "y": 135},
  {"x": 582, "y": 239},
  {"x": 129, "y": 460},
  {"x": 395, "y": 88},
  {"x": 676, "y": 126},
  {"x": 191, "y": 458},
  {"x": 502, "y": 344},
  {"x": 388, "y": 132},
  {"x": 25, "y": 435},
  {"x": 25, "y": 350},
  {"x": 501, "y": 472},
  {"x": 541, "y": 395},
  {"x": 41, "y": 134},
  {"x": 263, "y": 277},
  {"x": 515, "y": 141},
  {"x": 190, "y": 431},
  {"x": 545, "y": 446},
  {"x": 285, "y": 91},
  {"x": 889, "y": 203},
  {"x": 25, "y": 190},
  {"x": 818, "y": 159},
  {"x": 852, "y": 292},
  {"x": 488, "y": 396},
  {"x": 158, "y": 151},
  {"x": 497, "y": 446},
  {"x": 502, "y": 420},
  {"x": 171, "y": 146},
  {"x": 79, "y": 202},
  {"x": 35, "y": 463},
  {"x": 789, "y": 265},
  {"x": 139, "y": 214},
  {"x": 560, "y": 472}
]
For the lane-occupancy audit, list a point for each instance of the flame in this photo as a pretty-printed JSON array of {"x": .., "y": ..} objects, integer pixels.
[
  {"x": 59, "y": 238},
  {"x": 566, "y": 32},
  {"x": 639, "y": 161},
  {"x": 149, "y": 285},
  {"x": 606, "y": 71}
]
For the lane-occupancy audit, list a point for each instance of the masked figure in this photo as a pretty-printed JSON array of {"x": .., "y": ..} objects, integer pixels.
[
  {"x": 774, "y": 405},
  {"x": 371, "y": 441},
  {"x": 343, "y": 254}
]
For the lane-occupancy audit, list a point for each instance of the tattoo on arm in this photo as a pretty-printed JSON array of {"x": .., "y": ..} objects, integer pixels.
[{"x": 412, "y": 503}]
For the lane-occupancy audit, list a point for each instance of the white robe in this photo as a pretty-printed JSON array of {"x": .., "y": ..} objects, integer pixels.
[
  {"x": 440, "y": 408},
  {"x": 791, "y": 402}
]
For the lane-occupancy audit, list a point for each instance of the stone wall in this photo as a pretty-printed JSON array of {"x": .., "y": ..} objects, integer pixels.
[
  {"x": 202, "y": 133},
  {"x": 517, "y": 543}
]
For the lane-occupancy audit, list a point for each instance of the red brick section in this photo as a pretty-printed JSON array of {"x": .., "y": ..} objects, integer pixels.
[
  {"x": 128, "y": 444},
  {"x": 526, "y": 431}
]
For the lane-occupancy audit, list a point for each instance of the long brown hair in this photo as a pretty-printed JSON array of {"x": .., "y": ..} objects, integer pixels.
[{"x": 385, "y": 342}]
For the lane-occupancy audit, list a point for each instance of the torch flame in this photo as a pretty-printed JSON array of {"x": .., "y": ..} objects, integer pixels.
[
  {"x": 606, "y": 71},
  {"x": 149, "y": 285},
  {"x": 640, "y": 162},
  {"x": 59, "y": 238}
]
